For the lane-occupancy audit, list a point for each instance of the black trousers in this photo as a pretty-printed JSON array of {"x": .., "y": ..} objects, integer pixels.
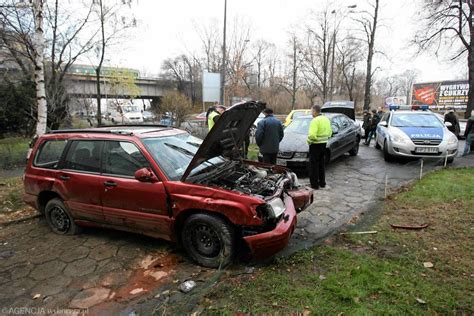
[
  {"x": 317, "y": 174},
  {"x": 270, "y": 158}
]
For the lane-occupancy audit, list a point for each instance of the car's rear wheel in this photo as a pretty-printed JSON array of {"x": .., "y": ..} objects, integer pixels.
[
  {"x": 386, "y": 155},
  {"x": 209, "y": 240},
  {"x": 355, "y": 150},
  {"x": 59, "y": 218},
  {"x": 450, "y": 160}
]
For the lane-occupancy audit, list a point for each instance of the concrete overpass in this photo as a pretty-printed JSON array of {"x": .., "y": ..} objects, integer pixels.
[{"x": 84, "y": 86}]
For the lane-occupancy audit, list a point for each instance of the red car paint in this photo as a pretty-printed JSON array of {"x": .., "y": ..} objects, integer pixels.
[{"x": 141, "y": 207}]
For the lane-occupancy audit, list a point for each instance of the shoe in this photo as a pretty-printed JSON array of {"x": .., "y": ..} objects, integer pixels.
[{"x": 315, "y": 188}]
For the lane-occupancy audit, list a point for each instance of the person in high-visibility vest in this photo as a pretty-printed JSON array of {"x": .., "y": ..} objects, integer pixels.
[
  {"x": 213, "y": 114},
  {"x": 318, "y": 135}
]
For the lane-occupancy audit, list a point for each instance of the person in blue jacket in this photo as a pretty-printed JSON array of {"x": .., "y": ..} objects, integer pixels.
[{"x": 268, "y": 136}]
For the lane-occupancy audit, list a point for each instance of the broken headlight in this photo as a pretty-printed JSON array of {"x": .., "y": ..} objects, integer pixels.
[{"x": 272, "y": 209}]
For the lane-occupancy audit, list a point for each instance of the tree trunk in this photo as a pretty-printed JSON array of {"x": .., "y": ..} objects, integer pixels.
[
  {"x": 470, "y": 62},
  {"x": 99, "y": 67},
  {"x": 293, "y": 91},
  {"x": 38, "y": 42},
  {"x": 368, "y": 77}
]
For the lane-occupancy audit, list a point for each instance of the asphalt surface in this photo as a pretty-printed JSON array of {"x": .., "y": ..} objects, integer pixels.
[{"x": 110, "y": 273}]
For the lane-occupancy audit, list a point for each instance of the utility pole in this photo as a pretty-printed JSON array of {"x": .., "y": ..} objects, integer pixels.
[{"x": 224, "y": 61}]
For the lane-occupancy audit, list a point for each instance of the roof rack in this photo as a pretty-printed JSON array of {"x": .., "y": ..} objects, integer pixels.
[
  {"x": 100, "y": 130},
  {"x": 135, "y": 125},
  {"x": 86, "y": 130}
]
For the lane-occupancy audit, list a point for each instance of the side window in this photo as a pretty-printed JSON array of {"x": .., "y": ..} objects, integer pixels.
[
  {"x": 385, "y": 117},
  {"x": 123, "y": 159},
  {"x": 49, "y": 154},
  {"x": 346, "y": 122},
  {"x": 84, "y": 155},
  {"x": 336, "y": 124}
]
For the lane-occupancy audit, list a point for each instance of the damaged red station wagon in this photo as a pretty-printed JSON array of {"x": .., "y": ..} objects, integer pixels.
[{"x": 165, "y": 183}]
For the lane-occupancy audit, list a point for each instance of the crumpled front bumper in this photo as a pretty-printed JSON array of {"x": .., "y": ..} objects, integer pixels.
[{"x": 268, "y": 243}]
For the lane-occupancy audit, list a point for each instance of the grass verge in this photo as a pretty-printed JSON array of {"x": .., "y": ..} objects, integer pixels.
[
  {"x": 383, "y": 273},
  {"x": 13, "y": 152},
  {"x": 253, "y": 152}
]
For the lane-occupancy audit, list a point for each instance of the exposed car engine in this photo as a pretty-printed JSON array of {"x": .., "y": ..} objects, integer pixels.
[{"x": 248, "y": 179}]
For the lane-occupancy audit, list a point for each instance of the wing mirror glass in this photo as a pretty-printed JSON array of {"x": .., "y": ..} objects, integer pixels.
[{"x": 145, "y": 175}]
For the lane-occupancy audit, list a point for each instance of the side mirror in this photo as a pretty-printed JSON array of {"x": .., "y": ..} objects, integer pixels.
[
  {"x": 145, "y": 175},
  {"x": 448, "y": 124},
  {"x": 383, "y": 124}
]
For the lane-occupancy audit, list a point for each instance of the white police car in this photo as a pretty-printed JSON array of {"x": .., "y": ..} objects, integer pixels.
[{"x": 414, "y": 131}]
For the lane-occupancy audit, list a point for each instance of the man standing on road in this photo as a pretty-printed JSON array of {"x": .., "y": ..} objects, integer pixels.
[
  {"x": 318, "y": 136},
  {"x": 451, "y": 117},
  {"x": 213, "y": 114},
  {"x": 366, "y": 123},
  {"x": 268, "y": 136},
  {"x": 469, "y": 134},
  {"x": 375, "y": 119}
]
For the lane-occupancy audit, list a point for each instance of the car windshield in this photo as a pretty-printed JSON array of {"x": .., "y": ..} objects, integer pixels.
[
  {"x": 298, "y": 114},
  {"x": 130, "y": 108},
  {"x": 299, "y": 126},
  {"x": 174, "y": 153},
  {"x": 415, "y": 120}
]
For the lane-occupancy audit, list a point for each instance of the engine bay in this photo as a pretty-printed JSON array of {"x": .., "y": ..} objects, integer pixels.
[{"x": 249, "y": 179}]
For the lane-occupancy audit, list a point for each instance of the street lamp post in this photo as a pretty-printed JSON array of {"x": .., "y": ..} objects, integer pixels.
[
  {"x": 224, "y": 62},
  {"x": 336, "y": 27}
]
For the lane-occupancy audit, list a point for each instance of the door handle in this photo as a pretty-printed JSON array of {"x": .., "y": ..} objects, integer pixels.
[
  {"x": 110, "y": 184},
  {"x": 64, "y": 177}
]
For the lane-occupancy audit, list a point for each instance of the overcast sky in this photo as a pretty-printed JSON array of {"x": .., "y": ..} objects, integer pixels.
[{"x": 167, "y": 28}]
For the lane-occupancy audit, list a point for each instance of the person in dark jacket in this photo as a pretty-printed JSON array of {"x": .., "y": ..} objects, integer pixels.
[
  {"x": 268, "y": 136},
  {"x": 374, "y": 120},
  {"x": 366, "y": 123},
  {"x": 452, "y": 118},
  {"x": 469, "y": 134}
]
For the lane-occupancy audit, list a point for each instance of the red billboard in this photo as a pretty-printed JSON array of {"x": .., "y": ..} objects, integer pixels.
[{"x": 441, "y": 95}]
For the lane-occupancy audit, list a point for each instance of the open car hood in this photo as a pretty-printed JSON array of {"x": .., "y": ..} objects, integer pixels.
[
  {"x": 227, "y": 134},
  {"x": 341, "y": 107}
]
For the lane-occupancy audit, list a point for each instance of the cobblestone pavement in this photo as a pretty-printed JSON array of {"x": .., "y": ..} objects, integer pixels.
[{"x": 113, "y": 272}]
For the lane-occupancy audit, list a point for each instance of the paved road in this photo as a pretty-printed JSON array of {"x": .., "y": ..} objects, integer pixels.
[{"x": 120, "y": 272}]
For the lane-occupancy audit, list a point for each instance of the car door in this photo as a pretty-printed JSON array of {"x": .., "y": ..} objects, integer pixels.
[
  {"x": 382, "y": 130},
  {"x": 79, "y": 179},
  {"x": 125, "y": 200},
  {"x": 348, "y": 133},
  {"x": 337, "y": 144}
]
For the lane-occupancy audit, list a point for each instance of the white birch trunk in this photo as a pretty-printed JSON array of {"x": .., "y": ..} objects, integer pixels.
[{"x": 38, "y": 43}]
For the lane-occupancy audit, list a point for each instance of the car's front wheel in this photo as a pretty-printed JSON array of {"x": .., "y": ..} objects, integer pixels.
[
  {"x": 209, "y": 240},
  {"x": 59, "y": 218},
  {"x": 386, "y": 155}
]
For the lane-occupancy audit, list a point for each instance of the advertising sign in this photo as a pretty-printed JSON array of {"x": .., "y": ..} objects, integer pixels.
[
  {"x": 211, "y": 87},
  {"x": 441, "y": 95}
]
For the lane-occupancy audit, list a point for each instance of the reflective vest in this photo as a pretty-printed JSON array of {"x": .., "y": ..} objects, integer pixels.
[
  {"x": 210, "y": 119},
  {"x": 319, "y": 130}
]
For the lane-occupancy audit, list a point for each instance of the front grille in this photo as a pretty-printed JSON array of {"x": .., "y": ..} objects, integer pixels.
[
  {"x": 285, "y": 154},
  {"x": 427, "y": 142}
]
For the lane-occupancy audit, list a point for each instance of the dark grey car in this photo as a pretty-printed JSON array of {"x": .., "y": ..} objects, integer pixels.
[{"x": 294, "y": 149}]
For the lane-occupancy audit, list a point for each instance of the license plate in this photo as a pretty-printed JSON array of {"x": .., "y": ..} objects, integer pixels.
[
  {"x": 281, "y": 162},
  {"x": 427, "y": 150}
]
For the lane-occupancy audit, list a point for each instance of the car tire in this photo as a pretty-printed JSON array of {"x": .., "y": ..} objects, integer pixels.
[
  {"x": 209, "y": 240},
  {"x": 450, "y": 160},
  {"x": 355, "y": 150},
  {"x": 386, "y": 155},
  {"x": 59, "y": 219}
]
